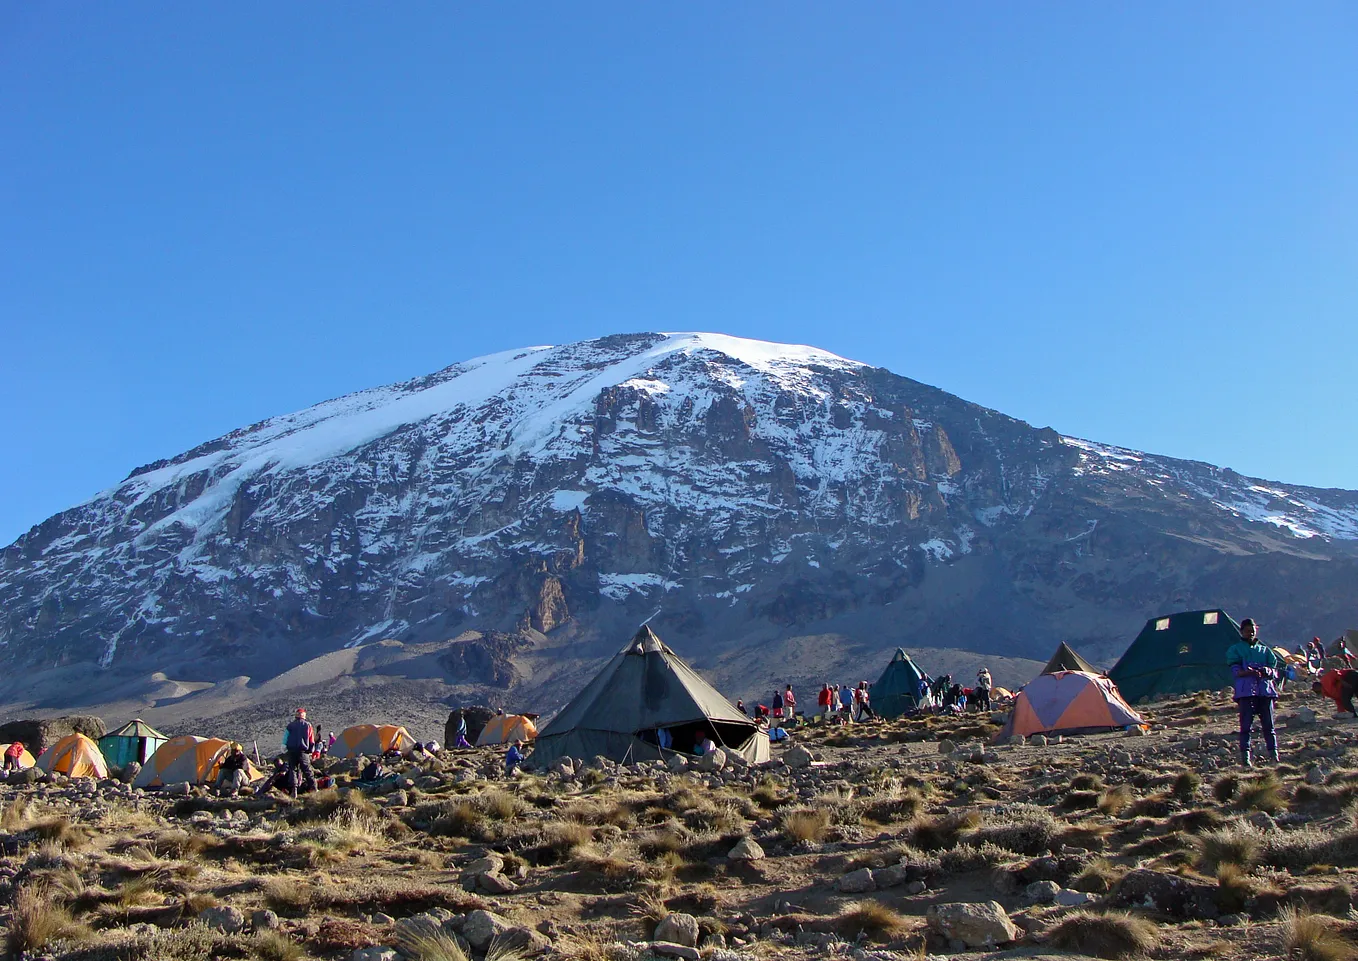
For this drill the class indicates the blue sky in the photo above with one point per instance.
(1136, 223)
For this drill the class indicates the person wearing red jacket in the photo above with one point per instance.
(823, 699)
(1339, 685)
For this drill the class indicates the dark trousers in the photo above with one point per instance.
(1262, 708)
(300, 761)
(983, 699)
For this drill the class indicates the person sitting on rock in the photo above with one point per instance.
(14, 756)
(513, 758)
(1339, 685)
(231, 775)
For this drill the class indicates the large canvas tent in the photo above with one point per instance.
(646, 695)
(897, 690)
(191, 759)
(1065, 659)
(134, 741)
(1177, 654)
(1068, 702)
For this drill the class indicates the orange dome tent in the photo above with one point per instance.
(503, 728)
(74, 755)
(1000, 692)
(191, 759)
(1068, 702)
(372, 739)
(25, 759)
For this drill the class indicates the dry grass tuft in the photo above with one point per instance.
(1097, 877)
(325, 805)
(500, 805)
(1186, 785)
(1023, 829)
(432, 945)
(806, 824)
(275, 946)
(1086, 782)
(1078, 801)
(38, 919)
(1314, 937)
(1225, 787)
(1115, 799)
(61, 833)
(1236, 844)
(1104, 935)
(872, 918)
(939, 834)
(1262, 794)
(289, 894)
(16, 814)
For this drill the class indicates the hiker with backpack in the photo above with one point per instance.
(1256, 668)
(299, 741)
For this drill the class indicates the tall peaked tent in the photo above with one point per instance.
(897, 690)
(74, 755)
(1065, 659)
(134, 741)
(1177, 654)
(1068, 702)
(646, 695)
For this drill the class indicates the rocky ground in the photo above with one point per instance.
(879, 841)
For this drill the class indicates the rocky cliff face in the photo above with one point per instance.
(736, 491)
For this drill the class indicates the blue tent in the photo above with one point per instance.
(897, 690)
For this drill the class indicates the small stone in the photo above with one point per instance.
(1068, 898)
(1137, 730)
(746, 849)
(677, 763)
(671, 950)
(916, 887)
(263, 920)
(982, 925)
(378, 953)
(1038, 740)
(678, 928)
(1231, 920)
(888, 877)
(1043, 892)
(224, 918)
(493, 883)
(946, 746)
(798, 757)
(1315, 775)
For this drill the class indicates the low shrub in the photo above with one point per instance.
(1104, 935)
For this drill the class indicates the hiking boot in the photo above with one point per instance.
(1246, 760)
(1273, 758)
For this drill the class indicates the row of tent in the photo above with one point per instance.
(197, 760)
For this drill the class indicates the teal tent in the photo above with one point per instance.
(134, 741)
(897, 690)
(1177, 654)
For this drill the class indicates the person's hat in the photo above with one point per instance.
(1247, 622)
(301, 712)
(1316, 639)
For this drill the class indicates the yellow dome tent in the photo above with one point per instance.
(503, 728)
(74, 755)
(26, 760)
(372, 739)
(188, 758)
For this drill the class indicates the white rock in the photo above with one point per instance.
(981, 925)
(798, 757)
(678, 929)
(857, 882)
(746, 849)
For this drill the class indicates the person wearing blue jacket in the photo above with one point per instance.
(1256, 669)
(513, 758)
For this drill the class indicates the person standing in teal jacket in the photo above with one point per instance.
(1256, 669)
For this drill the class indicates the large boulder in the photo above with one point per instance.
(982, 925)
(746, 849)
(224, 918)
(477, 718)
(1168, 894)
(857, 882)
(714, 761)
(678, 929)
(39, 735)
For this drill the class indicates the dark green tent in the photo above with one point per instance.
(134, 741)
(646, 689)
(1065, 659)
(1177, 654)
(897, 690)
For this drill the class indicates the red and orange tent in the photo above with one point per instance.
(1068, 702)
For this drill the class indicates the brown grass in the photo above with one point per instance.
(1104, 935)
(432, 945)
(1097, 877)
(1237, 845)
(806, 824)
(941, 833)
(1115, 799)
(38, 919)
(1225, 787)
(275, 946)
(1186, 785)
(872, 918)
(1314, 937)
(1262, 794)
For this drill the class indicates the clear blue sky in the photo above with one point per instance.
(1136, 223)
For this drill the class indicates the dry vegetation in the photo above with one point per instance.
(1266, 860)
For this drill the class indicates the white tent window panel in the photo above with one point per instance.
(1162, 624)
(1210, 617)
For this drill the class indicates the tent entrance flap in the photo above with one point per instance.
(685, 737)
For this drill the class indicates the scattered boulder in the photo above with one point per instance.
(378, 953)
(669, 949)
(494, 883)
(714, 761)
(39, 735)
(481, 927)
(263, 920)
(1168, 894)
(947, 746)
(746, 849)
(857, 882)
(677, 763)
(797, 757)
(129, 772)
(224, 918)
(678, 929)
(982, 925)
(1043, 892)
(888, 877)
(1315, 775)
(1038, 740)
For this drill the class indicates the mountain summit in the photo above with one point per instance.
(739, 493)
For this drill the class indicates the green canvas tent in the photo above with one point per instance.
(1065, 659)
(1177, 654)
(897, 690)
(134, 741)
(646, 697)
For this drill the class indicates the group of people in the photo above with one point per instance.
(834, 701)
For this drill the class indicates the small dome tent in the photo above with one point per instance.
(1177, 654)
(504, 728)
(647, 703)
(897, 690)
(26, 760)
(372, 739)
(134, 741)
(191, 759)
(1068, 702)
(74, 755)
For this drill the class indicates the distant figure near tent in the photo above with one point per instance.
(644, 689)
(191, 759)
(1065, 659)
(1068, 702)
(74, 755)
(1177, 654)
(16, 756)
(897, 690)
